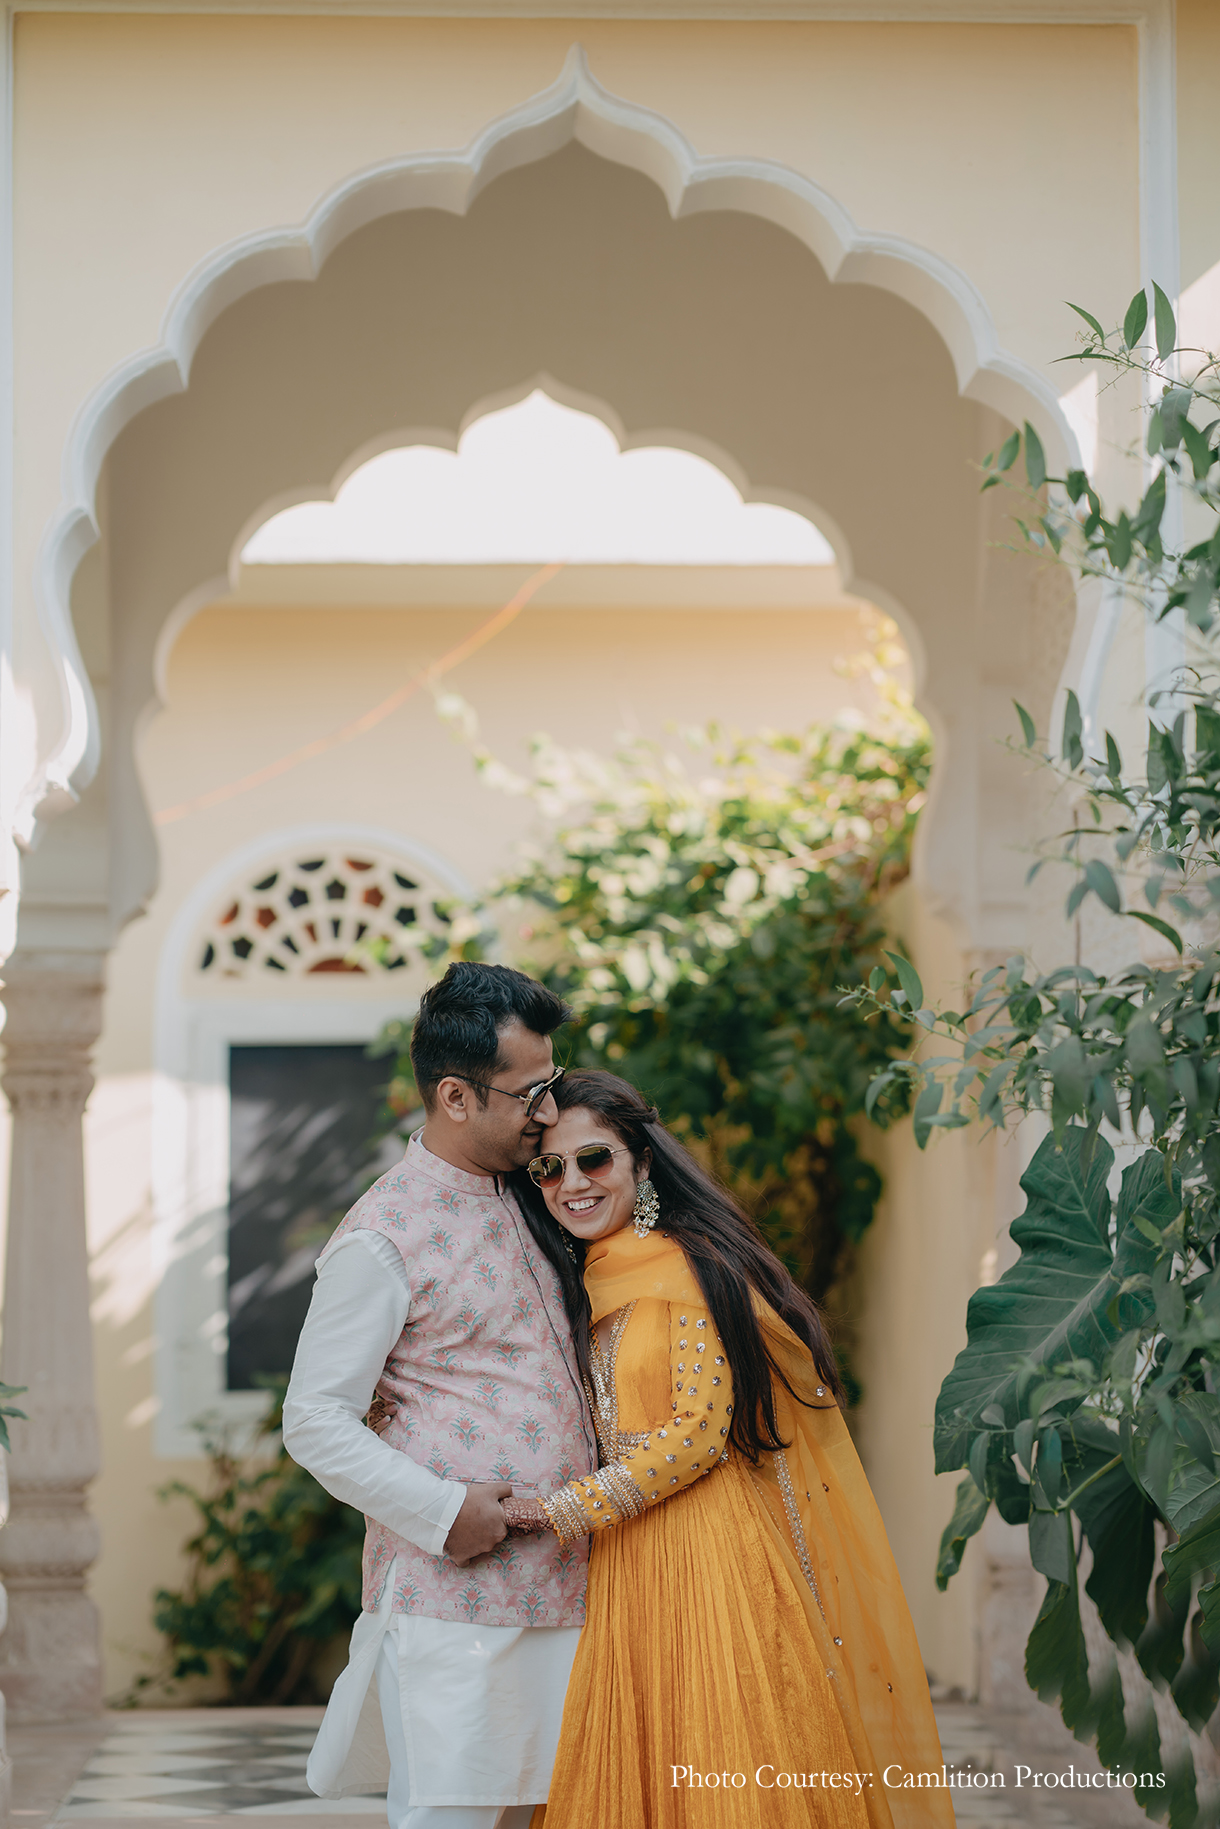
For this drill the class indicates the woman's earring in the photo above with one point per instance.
(647, 1208)
(567, 1244)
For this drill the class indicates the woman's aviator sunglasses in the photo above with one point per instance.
(593, 1159)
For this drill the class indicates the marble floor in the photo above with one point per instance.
(153, 1769)
(208, 1766)
(220, 1767)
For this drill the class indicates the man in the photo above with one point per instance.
(433, 1295)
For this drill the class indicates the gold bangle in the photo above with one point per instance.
(566, 1515)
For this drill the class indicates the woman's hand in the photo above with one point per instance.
(380, 1414)
(524, 1517)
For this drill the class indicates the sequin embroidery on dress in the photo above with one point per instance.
(603, 1398)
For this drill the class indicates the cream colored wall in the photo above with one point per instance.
(956, 136)
(1198, 72)
(258, 679)
(248, 684)
(918, 1265)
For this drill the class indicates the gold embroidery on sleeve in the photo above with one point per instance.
(620, 1488)
(631, 1438)
(568, 1521)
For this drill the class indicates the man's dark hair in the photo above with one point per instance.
(457, 1030)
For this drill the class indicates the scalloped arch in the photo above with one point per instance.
(575, 107)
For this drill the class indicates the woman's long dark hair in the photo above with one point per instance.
(723, 1247)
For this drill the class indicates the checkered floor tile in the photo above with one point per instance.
(146, 1770)
(158, 1769)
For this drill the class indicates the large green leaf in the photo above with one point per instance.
(1196, 1550)
(1118, 1522)
(1051, 1546)
(1092, 1705)
(1160, 1647)
(1063, 1299)
(969, 1511)
(1056, 1661)
(1194, 1487)
(1209, 1616)
(1196, 1688)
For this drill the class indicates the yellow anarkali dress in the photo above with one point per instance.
(748, 1657)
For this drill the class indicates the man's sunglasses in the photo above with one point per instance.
(531, 1099)
(593, 1159)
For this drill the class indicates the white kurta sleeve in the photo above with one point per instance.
(359, 1308)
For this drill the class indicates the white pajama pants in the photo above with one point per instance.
(401, 1812)
(468, 1715)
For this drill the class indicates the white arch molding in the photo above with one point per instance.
(447, 439)
(575, 107)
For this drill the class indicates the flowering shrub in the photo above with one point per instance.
(699, 914)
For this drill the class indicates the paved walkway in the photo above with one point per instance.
(1008, 1771)
(220, 1767)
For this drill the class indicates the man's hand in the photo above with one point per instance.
(480, 1525)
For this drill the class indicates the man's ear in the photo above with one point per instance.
(451, 1099)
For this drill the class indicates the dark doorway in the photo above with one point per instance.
(302, 1148)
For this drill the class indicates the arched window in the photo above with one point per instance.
(321, 909)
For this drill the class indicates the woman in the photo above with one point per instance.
(748, 1657)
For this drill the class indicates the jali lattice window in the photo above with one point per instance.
(322, 910)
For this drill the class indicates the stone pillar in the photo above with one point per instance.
(50, 1656)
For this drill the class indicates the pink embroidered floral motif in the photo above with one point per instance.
(485, 1351)
(490, 1391)
(532, 1433)
(532, 1605)
(467, 1432)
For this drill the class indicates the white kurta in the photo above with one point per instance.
(480, 1705)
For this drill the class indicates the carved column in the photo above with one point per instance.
(50, 1656)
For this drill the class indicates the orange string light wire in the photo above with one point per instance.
(486, 632)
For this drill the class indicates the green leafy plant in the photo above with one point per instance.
(1084, 1405)
(274, 1574)
(700, 919)
(7, 1410)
